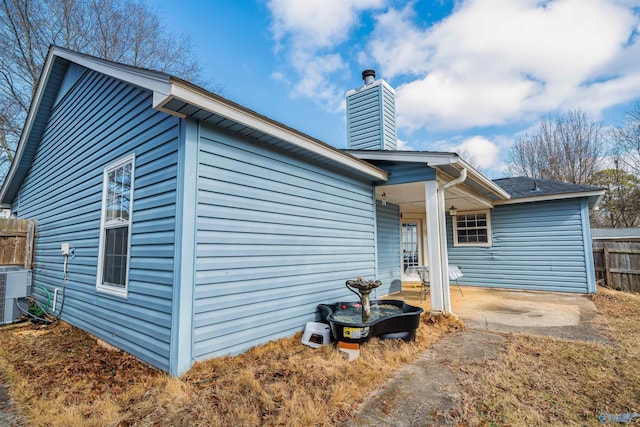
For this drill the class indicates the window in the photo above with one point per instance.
(472, 229)
(115, 227)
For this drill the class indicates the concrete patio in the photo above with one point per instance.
(562, 315)
(427, 392)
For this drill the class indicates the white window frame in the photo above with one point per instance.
(489, 241)
(100, 286)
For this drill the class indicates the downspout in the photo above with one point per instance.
(458, 180)
(444, 256)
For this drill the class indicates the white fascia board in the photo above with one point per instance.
(154, 81)
(482, 179)
(561, 196)
(160, 99)
(443, 178)
(432, 159)
(435, 160)
(599, 199)
(146, 79)
(207, 101)
(28, 124)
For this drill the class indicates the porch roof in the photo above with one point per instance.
(449, 163)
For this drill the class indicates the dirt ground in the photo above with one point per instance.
(8, 410)
(428, 391)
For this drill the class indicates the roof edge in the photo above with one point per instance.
(596, 195)
(152, 80)
(26, 130)
(433, 159)
(202, 98)
(165, 87)
(484, 179)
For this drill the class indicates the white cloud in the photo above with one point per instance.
(488, 63)
(317, 23)
(480, 152)
(276, 75)
(403, 145)
(308, 32)
(498, 62)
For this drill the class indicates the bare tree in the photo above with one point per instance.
(620, 206)
(126, 31)
(627, 141)
(469, 157)
(568, 148)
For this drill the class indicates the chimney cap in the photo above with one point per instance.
(369, 72)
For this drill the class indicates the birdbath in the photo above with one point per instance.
(364, 289)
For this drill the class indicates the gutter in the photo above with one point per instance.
(478, 176)
(432, 159)
(205, 100)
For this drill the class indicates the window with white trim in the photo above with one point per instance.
(472, 229)
(115, 227)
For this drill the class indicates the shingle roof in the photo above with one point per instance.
(615, 233)
(522, 186)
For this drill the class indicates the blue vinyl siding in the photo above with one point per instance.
(536, 246)
(403, 173)
(100, 120)
(276, 236)
(388, 248)
(388, 114)
(371, 117)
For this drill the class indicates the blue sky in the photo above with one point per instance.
(470, 76)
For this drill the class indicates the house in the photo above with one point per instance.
(615, 234)
(199, 228)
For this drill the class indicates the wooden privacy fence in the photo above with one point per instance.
(17, 239)
(618, 264)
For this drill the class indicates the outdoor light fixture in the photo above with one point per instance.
(384, 199)
(453, 211)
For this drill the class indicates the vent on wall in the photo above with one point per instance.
(15, 282)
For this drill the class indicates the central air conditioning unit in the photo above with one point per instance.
(15, 282)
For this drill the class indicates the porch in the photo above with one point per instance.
(563, 315)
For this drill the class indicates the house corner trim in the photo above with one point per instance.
(181, 357)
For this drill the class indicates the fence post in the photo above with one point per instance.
(607, 266)
(29, 243)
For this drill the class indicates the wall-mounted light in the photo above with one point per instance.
(384, 199)
(453, 211)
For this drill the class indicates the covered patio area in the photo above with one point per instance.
(562, 315)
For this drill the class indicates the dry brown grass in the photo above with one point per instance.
(59, 376)
(547, 381)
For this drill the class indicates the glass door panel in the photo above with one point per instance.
(411, 248)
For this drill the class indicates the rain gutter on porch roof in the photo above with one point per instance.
(433, 159)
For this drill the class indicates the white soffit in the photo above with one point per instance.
(205, 100)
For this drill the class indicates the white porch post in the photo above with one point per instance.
(432, 209)
(444, 255)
